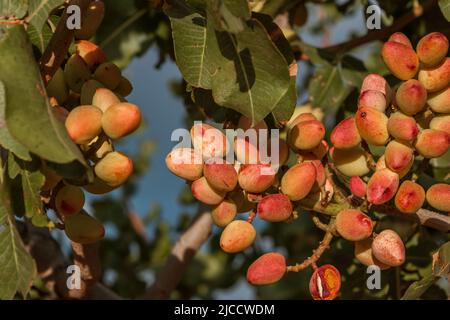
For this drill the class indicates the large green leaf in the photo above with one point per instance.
(286, 106)
(441, 265)
(13, 166)
(17, 267)
(189, 37)
(445, 8)
(28, 114)
(17, 8)
(352, 71)
(229, 15)
(32, 181)
(418, 288)
(39, 11)
(40, 38)
(276, 35)
(334, 79)
(6, 139)
(440, 268)
(251, 75)
(239, 8)
(245, 71)
(326, 88)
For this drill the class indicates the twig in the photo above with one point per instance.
(86, 257)
(52, 265)
(399, 24)
(322, 226)
(181, 255)
(310, 261)
(14, 21)
(423, 217)
(251, 216)
(59, 44)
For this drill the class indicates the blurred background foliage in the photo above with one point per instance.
(138, 244)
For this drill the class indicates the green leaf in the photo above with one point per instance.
(39, 11)
(17, 8)
(352, 71)
(6, 139)
(441, 167)
(251, 76)
(245, 71)
(13, 166)
(327, 90)
(189, 39)
(286, 106)
(40, 39)
(17, 267)
(445, 8)
(418, 288)
(333, 82)
(441, 261)
(28, 114)
(71, 170)
(317, 56)
(239, 8)
(32, 182)
(229, 15)
(441, 268)
(277, 36)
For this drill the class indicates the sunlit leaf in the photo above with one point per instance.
(28, 113)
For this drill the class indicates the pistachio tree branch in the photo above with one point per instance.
(86, 257)
(181, 255)
(317, 253)
(321, 225)
(373, 35)
(52, 266)
(59, 44)
(423, 217)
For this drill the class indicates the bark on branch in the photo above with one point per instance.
(317, 253)
(59, 44)
(399, 24)
(86, 257)
(52, 266)
(181, 255)
(423, 217)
